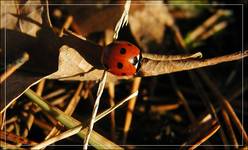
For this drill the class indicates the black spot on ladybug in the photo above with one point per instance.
(123, 51)
(123, 74)
(119, 65)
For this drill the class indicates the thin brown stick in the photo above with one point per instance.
(207, 102)
(111, 90)
(198, 84)
(14, 138)
(239, 91)
(29, 123)
(69, 110)
(17, 128)
(54, 93)
(202, 133)
(74, 101)
(166, 107)
(131, 105)
(1, 120)
(11, 120)
(183, 99)
(19, 62)
(204, 27)
(40, 87)
(216, 28)
(212, 131)
(42, 124)
(66, 25)
(60, 99)
(10, 128)
(5, 145)
(30, 116)
(230, 129)
(226, 105)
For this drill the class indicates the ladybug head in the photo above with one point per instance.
(122, 58)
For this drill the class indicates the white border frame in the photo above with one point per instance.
(242, 80)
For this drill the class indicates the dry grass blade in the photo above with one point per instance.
(79, 127)
(106, 112)
(97, 102)
(46, 21)
(131, 105)
(69, 110)
(96, 140)
(123, 20)
(62, 136)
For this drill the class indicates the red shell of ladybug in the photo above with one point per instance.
(122, 58)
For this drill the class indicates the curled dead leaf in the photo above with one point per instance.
(171, 57)
(151, 67)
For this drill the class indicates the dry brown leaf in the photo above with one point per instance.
(72, 66)
(6, 11)
(95, 18)
(151, 67)
(12, 12)
(33, 11)
(148, 24)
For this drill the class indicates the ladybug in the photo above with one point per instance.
(122, 58)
